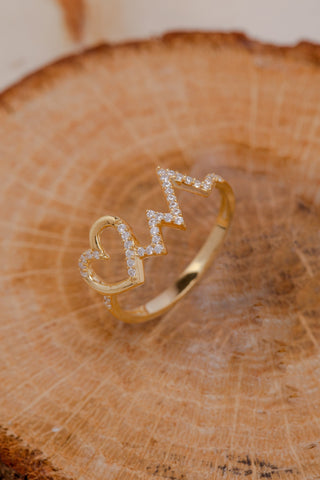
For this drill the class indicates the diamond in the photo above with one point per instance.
(158, 248)
(178, 221)
(83, 273)
(176, 211)
(131, 272)
(150, 213)
(206, 186)
(188, 180)
(171, 198)
(169, 191)
(156, 238)
(128, 244)
(197, 184)
(149, 250)
(153, 222)
(140, 251)
(129, 253)
(121, 227)
(130, 262)
(107, 302)
(160, 216)
(96, 254)
(179, 177)
(154, 230)
(125, 235)
(168, 217)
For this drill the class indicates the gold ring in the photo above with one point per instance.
(137, 253)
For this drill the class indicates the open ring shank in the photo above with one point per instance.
(165, 300)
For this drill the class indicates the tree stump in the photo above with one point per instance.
(226, 385)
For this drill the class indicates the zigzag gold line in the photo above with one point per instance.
(169, 180)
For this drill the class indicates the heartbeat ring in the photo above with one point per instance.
(136, 253)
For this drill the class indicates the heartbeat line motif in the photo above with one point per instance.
(135, 253)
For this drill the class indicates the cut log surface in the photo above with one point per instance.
(227, 384)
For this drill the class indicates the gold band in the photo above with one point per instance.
(136, 253)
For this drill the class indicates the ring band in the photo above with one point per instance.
(136, 253)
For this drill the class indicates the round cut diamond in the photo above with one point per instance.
(156, 238)
(131, 272)
(158, 248)
(149, 250)
(130, 262)
(122, 227)
(205, 186)
(188, 180)
(178, 221)
(125, 235)
(140, 251)
(154, 230)
(197, 184)
(179, 177)
(150, 213)
(129, 253)
(128, 244)
(168, 217)
(152, 222)
(107, 301)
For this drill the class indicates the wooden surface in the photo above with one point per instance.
(227, 384)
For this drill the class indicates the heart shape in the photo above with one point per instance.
(135, 264)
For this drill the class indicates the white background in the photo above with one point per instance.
(34, 32)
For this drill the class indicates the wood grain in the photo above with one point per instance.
(227, 384)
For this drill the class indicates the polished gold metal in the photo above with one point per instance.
(136, 253)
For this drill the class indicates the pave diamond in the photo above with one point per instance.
(178, 221)
(158, 248)
(107, 302)
(168, 217)
(149, 250)
(125, 235)
(150, 213)
(140, 251)
(156, 238)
